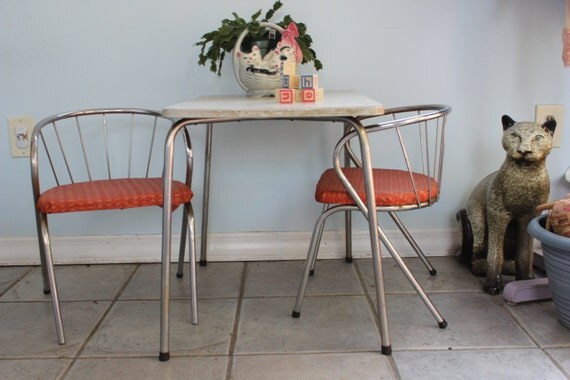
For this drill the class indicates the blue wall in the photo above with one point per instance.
(484, 58)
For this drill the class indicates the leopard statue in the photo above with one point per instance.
(493, 225)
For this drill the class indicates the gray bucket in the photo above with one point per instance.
(556, 249)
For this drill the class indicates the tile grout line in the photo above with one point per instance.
(555, 362)
(233, 338)
(82, 346)
(528, 333)
(367, 295)
(18, 280)
(393, 367)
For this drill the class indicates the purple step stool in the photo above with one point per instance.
(526, 290)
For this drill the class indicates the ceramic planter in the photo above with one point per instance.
(556, 250)
(256, 72)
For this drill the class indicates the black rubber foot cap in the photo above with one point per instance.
(492, 290)
(386, 350)
(47, 291)
(179, 275)
(312, 272)
(203, 263)
(433, 272)
(164, 356)
(348, 259)
(296, 314)
(442, 324)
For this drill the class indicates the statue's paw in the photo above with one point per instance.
(479, 267)
(492, 289)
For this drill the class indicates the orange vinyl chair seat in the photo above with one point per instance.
(110, 194)
(392, 187)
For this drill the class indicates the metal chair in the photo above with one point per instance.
(106, 159)
(407, 181)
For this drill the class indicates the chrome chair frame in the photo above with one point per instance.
(423, 114)
(70, 172)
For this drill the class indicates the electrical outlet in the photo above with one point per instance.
(542, 111)
(20, 128)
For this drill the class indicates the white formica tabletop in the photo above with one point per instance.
(335, 104)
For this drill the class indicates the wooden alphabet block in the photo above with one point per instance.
(285, 81)
(290, 81)
(289, 68)
(308, 94)
(312, 94)
(309, 81)
(285, 95)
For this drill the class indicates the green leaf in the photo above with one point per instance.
(222, 56)
(225, 30)
(268, 15)
(318, 65)
(256, 15)
(237, 18)
(286, 21)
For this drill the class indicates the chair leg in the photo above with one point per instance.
(42, 253)
(413, 243)
(45, 243)
(347, 215)
(206, 194)
(45, 276)
(192, 253)
(311, 258)
(318, 242)
(164, 353)
(180, 270)
(442, 323)
(348, 236)
(381, 304)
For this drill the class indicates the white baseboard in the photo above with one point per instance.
(246, 246)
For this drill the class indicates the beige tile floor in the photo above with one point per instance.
(246, 331)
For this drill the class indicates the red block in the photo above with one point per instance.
(308, 95)
(286, 95)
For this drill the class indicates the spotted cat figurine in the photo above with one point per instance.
(493, 226)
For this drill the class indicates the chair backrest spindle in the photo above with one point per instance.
(131, 134)
(150, 150)
(407, 161)
(62, 149)
(84, 152)
(106, 139)
(50, 160)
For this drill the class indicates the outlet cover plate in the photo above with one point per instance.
(20, 129)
